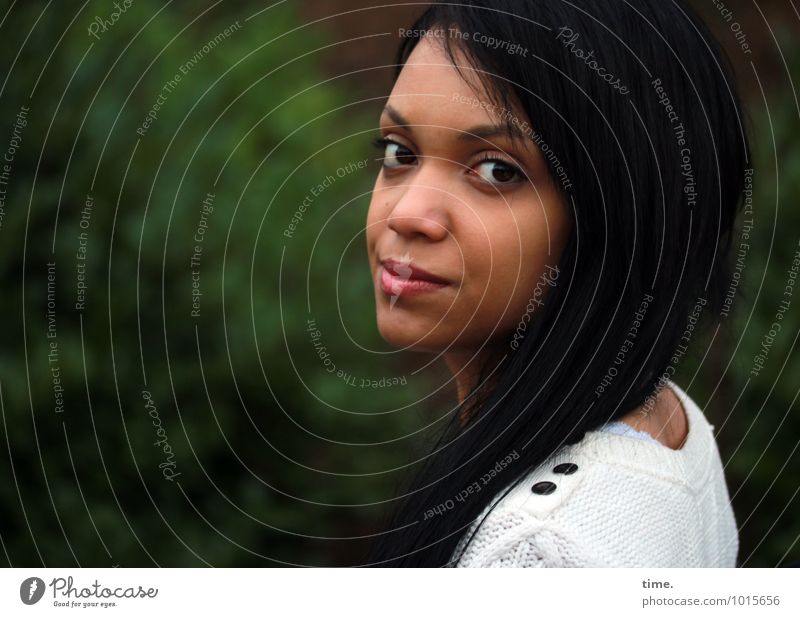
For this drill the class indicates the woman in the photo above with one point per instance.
(558, 189)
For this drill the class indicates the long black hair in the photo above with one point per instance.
(634, 107)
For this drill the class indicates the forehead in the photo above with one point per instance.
(432, 90)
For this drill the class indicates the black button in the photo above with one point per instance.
(565, 468)
(543, 488)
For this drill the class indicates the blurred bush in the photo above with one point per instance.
(766, 419)
(267, 443)
(272, 450)
(747, 379)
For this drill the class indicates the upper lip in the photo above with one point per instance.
(401, 268)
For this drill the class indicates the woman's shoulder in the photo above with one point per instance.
(618, 468)
(611, 494)
(603, 472)
(558, 513)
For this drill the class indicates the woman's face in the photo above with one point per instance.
(460, 200)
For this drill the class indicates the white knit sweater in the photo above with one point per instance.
(625, 502)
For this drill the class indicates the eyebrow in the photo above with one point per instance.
(476, 133)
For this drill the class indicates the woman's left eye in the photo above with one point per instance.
(498, 172)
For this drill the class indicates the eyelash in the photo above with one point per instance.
(486, 156)
(381, 143)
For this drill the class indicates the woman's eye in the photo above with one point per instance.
(395, 154)
(497, 172)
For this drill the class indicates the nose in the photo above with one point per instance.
(421, 212)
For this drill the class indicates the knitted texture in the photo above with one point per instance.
(631, 502)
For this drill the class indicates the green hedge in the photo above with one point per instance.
(273, 455)
(262, 445)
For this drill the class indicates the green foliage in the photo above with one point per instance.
(749, 378)
(273, 451)
(264, 446)
(766, 419)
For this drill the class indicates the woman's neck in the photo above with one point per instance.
(466, 368)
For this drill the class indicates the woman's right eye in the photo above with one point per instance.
(394, 154)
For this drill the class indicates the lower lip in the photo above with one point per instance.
(393, 285)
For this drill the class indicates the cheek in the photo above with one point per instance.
(376, 220)
(502, 255)
(516, 259)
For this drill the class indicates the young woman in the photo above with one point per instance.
(557, 195)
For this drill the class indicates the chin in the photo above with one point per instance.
(404, 331)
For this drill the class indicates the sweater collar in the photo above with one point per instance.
(689, 465)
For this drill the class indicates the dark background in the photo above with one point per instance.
(279, 461)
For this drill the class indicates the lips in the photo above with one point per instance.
(409, 271)
(406, 279)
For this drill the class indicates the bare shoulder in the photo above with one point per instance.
(666, 421)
